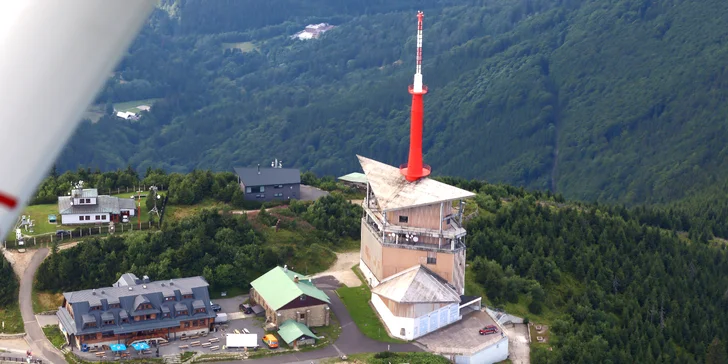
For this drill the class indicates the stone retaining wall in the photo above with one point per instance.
(12, 336)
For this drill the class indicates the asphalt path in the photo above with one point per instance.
(351, 340)
(40, 346)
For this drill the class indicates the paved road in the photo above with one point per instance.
(351, 341)
(40, 346)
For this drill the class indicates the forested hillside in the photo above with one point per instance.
(609, 100)
(611, 288)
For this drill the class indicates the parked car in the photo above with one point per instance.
(215, 307)
(271, 341)
(62, 233)
(125, 218)
(490, 329)
(246, 308)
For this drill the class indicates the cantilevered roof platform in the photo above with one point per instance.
(394, 192)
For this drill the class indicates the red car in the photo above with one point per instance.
(490, 329)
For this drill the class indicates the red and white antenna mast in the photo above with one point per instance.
(415, 169)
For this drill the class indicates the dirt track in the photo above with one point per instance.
(341, 270)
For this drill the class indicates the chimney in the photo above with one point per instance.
(285, 267)
(171, 283)
(145, 279)
(258, 168)
(295, 279)
(93, 291)
(102, 291)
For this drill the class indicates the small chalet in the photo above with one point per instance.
(296, 334)
(286, 295)
(136, 309)
(356, 180)
(269, 184)
(86, 206)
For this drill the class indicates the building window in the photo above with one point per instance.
(88, 218)
(169, 299)
(187, 296)
(91, 324)
(110, 322)
(148, 317)
(431, 258)
(403, 219)
(248, 190)
(98, 217)
(88, 200)
(181, 313)
(81, 218)
(103, 217)
(89, 336)
(95, 308)
(278, 186)
(401, 331)
(260, 196)
(114, 305)
(200, 310)
(166, 315)
(187, 324)
(301, 316)
(125, 320)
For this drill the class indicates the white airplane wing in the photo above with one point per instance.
(54, 57)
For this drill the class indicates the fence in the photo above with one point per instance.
(18, 360)
(78, 233)
(120, 190)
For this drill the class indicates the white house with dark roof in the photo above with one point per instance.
(136, 309)
(86, 206)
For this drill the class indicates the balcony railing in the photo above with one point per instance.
(401, 242)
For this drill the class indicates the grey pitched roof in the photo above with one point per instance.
(104, 204)
(268, 176)
(139, 300)
(107, 316)
(127, 299)
(87, 319)
(415, 285)
(185, 290)
(179, 306)
(198, 304)
(127, 279)
(165, 309)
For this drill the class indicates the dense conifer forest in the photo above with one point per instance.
(608, 100)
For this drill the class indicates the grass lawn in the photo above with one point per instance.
(46, 301)
(178, 212)
(393, 358)
(40, 213)
(231, 292)
(356, 300)
(54, 335)
(10, 315)
(245, 47)
(187, 355)
(132, 105)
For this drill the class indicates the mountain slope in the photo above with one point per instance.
(600, 100)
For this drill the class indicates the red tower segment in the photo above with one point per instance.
(415, 169)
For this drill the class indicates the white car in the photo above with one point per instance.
(125, 218)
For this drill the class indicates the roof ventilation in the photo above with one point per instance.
(93, 291)
(295, 279)
(258, 168)
(171, 283)
(285, 268)
(162, 284)
(144, 286)
(103, 292)
(130, 288)
(145, 279)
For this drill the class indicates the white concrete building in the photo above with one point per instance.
(85, 206)
(415, 302)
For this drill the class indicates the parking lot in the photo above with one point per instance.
(463, 336)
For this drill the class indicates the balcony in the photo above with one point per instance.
(391, 238)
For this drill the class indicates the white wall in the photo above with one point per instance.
(434, 320)
(132, 212)
(368, 275)
(491, 354)
(77, 201)
(70, 219)
(394, 323)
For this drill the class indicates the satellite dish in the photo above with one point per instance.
(158, 197)
(415, 239)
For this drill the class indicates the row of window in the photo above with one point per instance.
(405, 219)
(256, 189)
(186, 324)
(84, 200)
(88, 217)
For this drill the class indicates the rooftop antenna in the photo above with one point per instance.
(156, 197)
(414, 169)
(276, 164)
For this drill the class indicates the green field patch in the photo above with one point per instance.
(133, 106)
(11, 318)
(244, 47)
(356, 300)
(54, 335)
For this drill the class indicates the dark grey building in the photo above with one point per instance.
(136, 309)
(269, 184)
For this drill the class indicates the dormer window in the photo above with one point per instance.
(144, 306)
(109, 322)
(114, 305)
(171, 298)
(188, 296)
(200, 310)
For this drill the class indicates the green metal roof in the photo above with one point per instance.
(291, 330)
(277, 288)
(354, 177)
